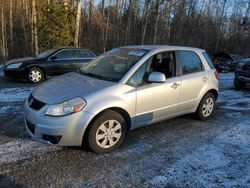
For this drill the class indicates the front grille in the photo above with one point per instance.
(34, 103)
(246, 67)
(30, 126)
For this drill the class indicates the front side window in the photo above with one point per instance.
(81, 54)
(165, 63)
(114, 64)
(190, 62)
(139, 77)
(65, 54)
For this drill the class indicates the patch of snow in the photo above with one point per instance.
(230, 98)
(18, 150)
(158, 180)
(14, 94)
(10, 109)
(209, 166)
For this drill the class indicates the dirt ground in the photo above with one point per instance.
(181, 152)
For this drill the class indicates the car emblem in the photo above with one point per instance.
(31, 101)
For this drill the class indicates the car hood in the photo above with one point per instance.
(21, 60)
(68, 86)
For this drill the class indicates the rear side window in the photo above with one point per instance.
(81, 54)
(66, 54)
(208, 59)
(190, 62)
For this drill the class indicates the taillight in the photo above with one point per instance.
(216, 74)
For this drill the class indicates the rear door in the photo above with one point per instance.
(61, 62)
(193, 80)
(83, 56)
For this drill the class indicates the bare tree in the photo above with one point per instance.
(34, 28)
(78, 16)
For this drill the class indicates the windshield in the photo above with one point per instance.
(46, 53)
(113, 65)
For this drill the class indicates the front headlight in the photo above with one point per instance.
(68, 107)
(14, 66)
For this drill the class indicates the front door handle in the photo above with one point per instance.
(175, 85)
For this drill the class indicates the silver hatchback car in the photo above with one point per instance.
(126, 88)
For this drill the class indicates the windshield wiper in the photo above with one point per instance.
(96, 76)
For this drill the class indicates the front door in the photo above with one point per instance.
(158, 101)
(61, 62)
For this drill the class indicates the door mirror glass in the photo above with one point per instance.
(156, 77)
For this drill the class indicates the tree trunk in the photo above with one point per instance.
(157, 16)
(34, 28)
(103, 7)
(144, 28)
(78, 16)
(3, 34)
(220, 23)
(11, 27)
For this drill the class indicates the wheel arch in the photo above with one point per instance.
(39, 67)
(119, 110)
(214, 92)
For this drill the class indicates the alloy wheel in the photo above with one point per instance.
(108, 134)
(207, 107)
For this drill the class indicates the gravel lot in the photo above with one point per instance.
(181, 152)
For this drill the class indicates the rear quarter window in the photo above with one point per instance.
(208, 59)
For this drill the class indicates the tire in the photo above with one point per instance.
(110, 127)
(35, 75)
(206, 107)
(239, 84)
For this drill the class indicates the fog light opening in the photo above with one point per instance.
(52, 139)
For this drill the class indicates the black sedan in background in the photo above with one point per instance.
(49, 63)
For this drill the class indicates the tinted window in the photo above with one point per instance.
(210, 63)
(66, 54)
(46, 53)
(84, 54)
(190, 62)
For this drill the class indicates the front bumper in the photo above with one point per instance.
(14, 73)
(64, 130)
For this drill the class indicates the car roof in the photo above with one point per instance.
(160, 47)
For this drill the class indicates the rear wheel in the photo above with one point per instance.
(206, 107)
(35, 75)
(239, 84)
(107, 132)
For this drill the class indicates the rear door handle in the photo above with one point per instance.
(175, 85)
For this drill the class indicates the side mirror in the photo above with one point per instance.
(53, 58)
(156, 77)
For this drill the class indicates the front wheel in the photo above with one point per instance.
(35, 75)
(206, 107)
(107, 132)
